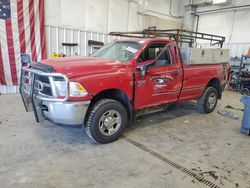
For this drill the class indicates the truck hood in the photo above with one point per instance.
(80, 66)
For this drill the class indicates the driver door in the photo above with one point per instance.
(163, 79)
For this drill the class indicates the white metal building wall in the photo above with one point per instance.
(237, 49)
(112, 15)
(57, 35)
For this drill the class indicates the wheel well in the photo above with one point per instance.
(215, 82)
(115, 94)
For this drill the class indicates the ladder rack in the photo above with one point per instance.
(179, 35)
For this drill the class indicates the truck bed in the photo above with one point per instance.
(196, 77)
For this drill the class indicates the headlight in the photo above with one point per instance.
(77, 90)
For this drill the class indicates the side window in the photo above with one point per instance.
(164, 59)
(153, 51)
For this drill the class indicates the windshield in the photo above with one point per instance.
(118, 50)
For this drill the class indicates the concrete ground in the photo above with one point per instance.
(165, 149)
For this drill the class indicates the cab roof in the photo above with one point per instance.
(146, 40)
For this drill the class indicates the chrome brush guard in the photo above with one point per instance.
(37, 86)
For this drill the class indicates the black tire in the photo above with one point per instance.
(95, 127)
(203, 102)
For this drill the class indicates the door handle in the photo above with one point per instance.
(175, 72)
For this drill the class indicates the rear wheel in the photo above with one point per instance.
(106, 121)
(208, 100)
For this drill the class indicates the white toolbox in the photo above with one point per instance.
(204, 55)
(221, 55)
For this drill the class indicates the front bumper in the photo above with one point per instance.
(55, 109)
(67, 113)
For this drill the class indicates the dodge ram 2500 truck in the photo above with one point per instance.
(104, 91)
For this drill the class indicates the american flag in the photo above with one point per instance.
(22, 30)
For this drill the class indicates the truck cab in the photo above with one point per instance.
(105, 91)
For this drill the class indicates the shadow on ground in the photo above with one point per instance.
(174, 111)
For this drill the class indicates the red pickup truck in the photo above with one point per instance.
(104, 91)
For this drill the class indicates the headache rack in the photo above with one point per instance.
(179, 35)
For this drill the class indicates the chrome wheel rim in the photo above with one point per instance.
(110, 122)
(211, 101)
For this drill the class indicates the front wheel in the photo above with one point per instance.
(106, 121)
(208, 100)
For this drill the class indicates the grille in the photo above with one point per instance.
(42, 86)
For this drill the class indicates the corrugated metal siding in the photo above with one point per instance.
(57, 35)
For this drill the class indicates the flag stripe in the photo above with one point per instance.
(2, 74)
(11, 51)
(27, 25)
(37, 30)
(5, 54)
(32, 30)
(22, 30)
(21, 26)
(16, 42)
(42, 29)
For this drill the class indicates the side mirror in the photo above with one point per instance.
(144, 66)
(25, 59)
(142, 69)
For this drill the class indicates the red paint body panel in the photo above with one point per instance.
(98, 75)
(152, 94)
(196, 78)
